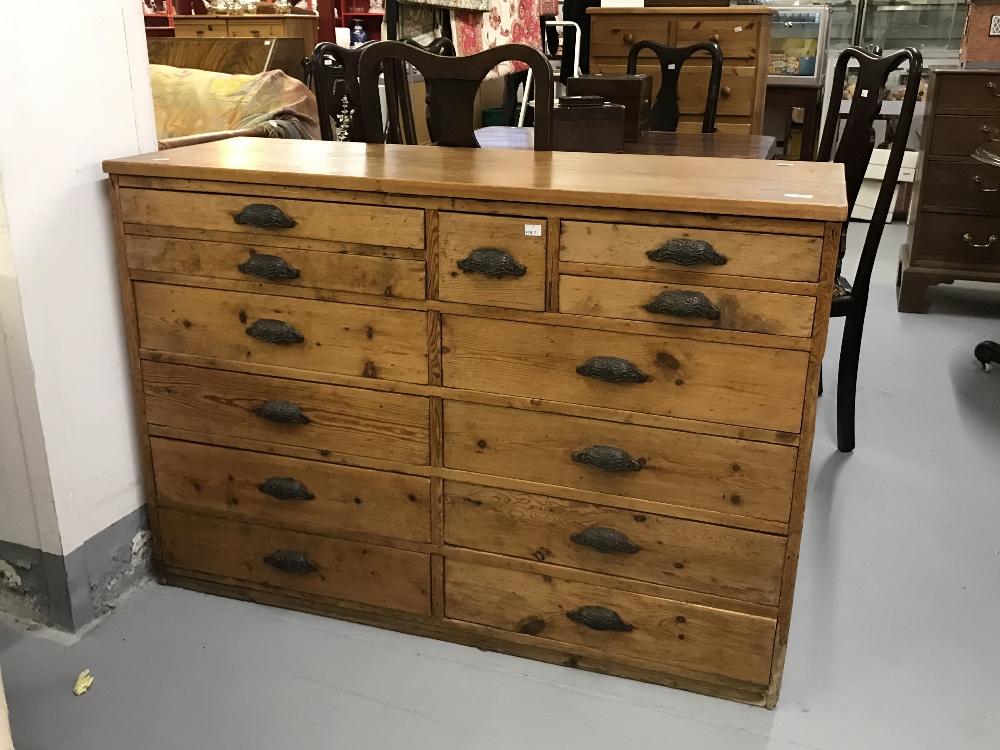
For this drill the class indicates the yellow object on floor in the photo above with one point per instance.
(83, 683)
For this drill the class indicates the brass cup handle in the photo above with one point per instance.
(978, 181)
(612, 370)
(600, 618)
(290, 561)
(285, 488)
(967, 239)
(282, 412)
(684, 251)
(608, 458)
(263, 216)
(605, 540)
(628, 38)
(683, 303)
(992, 88)
(272, 331)
(491, 262)
(714, 38)
(265, 266)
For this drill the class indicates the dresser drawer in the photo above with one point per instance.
(736, 35)
(301, 334)
(766, 256)
(253, 27)
(612, 37)
(289, 492)
(267, 217)
(960, 135)
(687, 636)
(200, 29)
(659, 549)
(967, 91)
(742, 385)
(736, 90)
(340, 420)
(676, 304)
(680, 468)
(278, 267)
(950, 185)
(493, 260)
(958, 239)
(296, 562)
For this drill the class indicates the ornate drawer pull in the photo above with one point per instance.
(285, 488)
(290, 561)
(967, 238)
(978, 182)
(608, 458)
(991, 87)
(273, 331)
(987, 130)
(491, 262)
(267, 267)
(601, 539)
(683, 304)
(612, 370)
(263, 215)
(600, 618)
(282, 412)
(687, 252)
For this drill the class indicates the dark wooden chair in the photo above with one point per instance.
(452, 85)
(665, 113)
(854, 151)
(333, 72)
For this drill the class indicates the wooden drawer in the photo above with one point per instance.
(942, 238)
(341, 420)
(736, 35)
(200, 29)
(742, 385)
(333, 568)
(960, 135)
(301, 334)
(612, 37)
(254, 27)
(951, 185)
(686, 636)
(271, 267)
(765, 256)
(463, 234)
(686, 554)
(331, 222)
(261, 488)
(968, 91)
(710, 307)
(736, 92)
(680, 468)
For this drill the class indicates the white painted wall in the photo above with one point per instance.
(67, 351)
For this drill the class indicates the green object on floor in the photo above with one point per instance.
(492, 116)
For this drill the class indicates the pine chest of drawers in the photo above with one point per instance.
(556, 405)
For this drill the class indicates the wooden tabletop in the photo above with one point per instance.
(793, 190)
(722, 145)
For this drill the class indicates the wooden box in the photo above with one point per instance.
(634, 92)
(594, 129)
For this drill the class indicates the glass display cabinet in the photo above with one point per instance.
(798, 45)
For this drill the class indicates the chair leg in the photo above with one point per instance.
(847, 380)
(821, 380)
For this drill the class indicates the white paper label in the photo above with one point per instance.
(797, 195)
(864, 92)
(738, 29)
(532, 230)
(671, 66)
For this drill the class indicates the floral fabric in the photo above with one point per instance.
(507, 22)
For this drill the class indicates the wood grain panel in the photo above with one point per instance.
(460, 234)
(357, 340)
(739, 310)
(365, 573)
(767, 256)
(335, 222)
(338, 269)
(684, 554)
(704, 639)
(204, 478)
(699, 471)
(736, 35)
(940, 238)
(742, 385)
(342, 420)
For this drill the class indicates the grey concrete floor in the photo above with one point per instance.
(893, 640)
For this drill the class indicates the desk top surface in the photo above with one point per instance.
(742, 187)
(689, 10)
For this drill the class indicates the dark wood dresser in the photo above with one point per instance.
(955, 215)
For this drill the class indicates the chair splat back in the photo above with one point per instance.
(665, 113)
(335, 76)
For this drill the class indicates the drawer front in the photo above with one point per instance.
(256, 28)
(741, 385)
(965, 91)
(736, 91)
(304, 495)
(200, 30)
(766, 256)
(960, 135)
(958, 239)
(340, 420)
(686, 554)
(278, 267)
(676, 304)
(689, 636)
(334, 568)
(736, 35)
(612, 37)
(493, 260)
(963, 186)
(300, 334)
(332, 222)
(681, 468)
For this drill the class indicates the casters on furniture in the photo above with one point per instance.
(987, 353)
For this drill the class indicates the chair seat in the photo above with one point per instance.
(843, 299)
